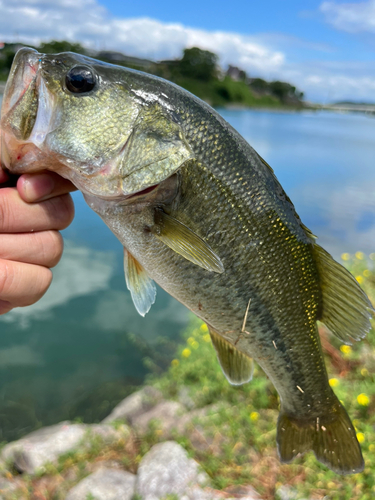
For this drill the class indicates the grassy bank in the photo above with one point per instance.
(233, 435)
(242, 429)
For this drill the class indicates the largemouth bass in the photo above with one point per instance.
(202, 214)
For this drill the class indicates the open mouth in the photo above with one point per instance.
(26, 112)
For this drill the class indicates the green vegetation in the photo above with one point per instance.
(197, 71)
(233, 433)
(240, 430)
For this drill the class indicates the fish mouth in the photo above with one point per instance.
(25, 114)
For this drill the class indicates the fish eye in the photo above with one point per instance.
(80, 79)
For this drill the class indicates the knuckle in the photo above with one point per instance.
(6, 277)
(62, 210)
(41, 284)
(6, 213)
(51, 247)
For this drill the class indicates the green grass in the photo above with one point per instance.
(235, 440)
(240, 431)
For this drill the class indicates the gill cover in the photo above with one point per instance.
(155, 150)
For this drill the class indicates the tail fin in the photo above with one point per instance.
(332, 438)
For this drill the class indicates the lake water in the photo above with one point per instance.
(83, 347)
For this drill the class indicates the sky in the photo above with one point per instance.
(325, 48)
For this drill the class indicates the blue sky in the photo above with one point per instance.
(326, 48)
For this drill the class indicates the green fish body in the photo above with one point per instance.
(202, 214)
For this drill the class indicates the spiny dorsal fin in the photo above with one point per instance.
(237, 367)
(141, 287)
(346, 308)
(185, 242)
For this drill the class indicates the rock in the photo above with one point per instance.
(167, 415)
(134, 405)
(166, 470)
(108, 433)
(31, 452)
(185, 399)
(198, 493)
(243, 491)
(105, 484)
(287, 493)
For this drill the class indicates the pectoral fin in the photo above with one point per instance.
(237, 367)
(185, 242)
(141, 287)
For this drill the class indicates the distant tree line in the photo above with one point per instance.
(198, 71)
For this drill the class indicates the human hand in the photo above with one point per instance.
(31, 216)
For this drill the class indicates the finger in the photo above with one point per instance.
(23, 284)
(5, 306)
(43, 248)
(16, 216)
(3, 174)
(43, 186)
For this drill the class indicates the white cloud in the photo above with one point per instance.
(80, 272)
(352, 17)
(263, 55)
(91, 24)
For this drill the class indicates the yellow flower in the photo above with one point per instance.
(345, 256)
(207, 337)
(364, 372)
(363, 399)
(345, 349)
(195, 345)
(372, 256)
(333, 382)
(331, 485)
(366, 273)
(254, 416)
(371, 447)
(359, 255)
(186, 353)
(359, 279)
(175, 362)
(190, 340)
(360, 437)
(204, 328)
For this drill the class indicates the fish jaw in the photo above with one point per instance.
(25, 116)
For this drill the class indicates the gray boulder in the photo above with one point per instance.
(167, 414)
(287, 492)
(134, 405)
(32, 452)
(105, 484)
(166, 470)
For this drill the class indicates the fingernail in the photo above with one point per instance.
(35, 187)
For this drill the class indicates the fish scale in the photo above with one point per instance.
(202, 214)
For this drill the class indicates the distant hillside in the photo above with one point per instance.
(197, 71)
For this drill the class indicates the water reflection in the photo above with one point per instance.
(81, 348)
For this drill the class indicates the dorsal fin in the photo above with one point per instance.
(185, 242)
(141, 287)
(346, 309)
(237, 367)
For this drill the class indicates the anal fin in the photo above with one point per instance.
(141, 287)
(237, 367)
